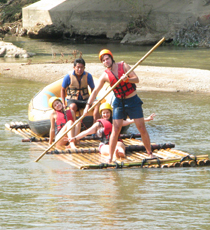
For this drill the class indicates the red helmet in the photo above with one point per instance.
(103, 52)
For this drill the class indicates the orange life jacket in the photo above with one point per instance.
(75, 88)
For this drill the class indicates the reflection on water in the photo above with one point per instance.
(162, 56)
(52, 195)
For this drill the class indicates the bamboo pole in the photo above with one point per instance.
(42, 139)
(192, 163)
(153, 146)
(185, 164)
(113, 87)
(176, 164)
(201, 163)
(128, 149)
(35, 139)
(149, 162)
(81, 150)
(207, 162)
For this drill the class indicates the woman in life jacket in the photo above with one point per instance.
(61, 120)
(103, 128)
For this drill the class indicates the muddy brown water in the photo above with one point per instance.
(51, 194)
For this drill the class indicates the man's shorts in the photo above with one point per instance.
(131, 107)
(80, 103)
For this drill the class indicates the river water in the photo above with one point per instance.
(56, 51)
(53, 195)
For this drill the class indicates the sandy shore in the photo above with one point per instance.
(151, 78)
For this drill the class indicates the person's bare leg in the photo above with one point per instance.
(144, 135)
(120, 150)
(71, 133)
(77, 129)
(62, 141)
(73, 107)
(116, 128)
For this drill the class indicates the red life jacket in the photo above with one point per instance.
(123, 89)
(106, 131)
(62, 119)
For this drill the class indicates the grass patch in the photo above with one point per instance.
(13, 11)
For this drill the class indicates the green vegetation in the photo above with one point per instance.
(12, 10)
(185, 44)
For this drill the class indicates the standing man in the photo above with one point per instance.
(126, 103)
(75, 88)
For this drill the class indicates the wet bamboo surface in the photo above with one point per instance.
(87, 156)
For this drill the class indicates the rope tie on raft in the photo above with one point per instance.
(144, 161)
(188, 157)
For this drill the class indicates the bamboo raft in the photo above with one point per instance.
(85, 157)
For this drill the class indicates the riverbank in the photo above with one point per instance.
(151, 78)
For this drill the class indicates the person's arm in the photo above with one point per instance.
(130, 121)
(150, 118)
(127, 122)
(95, 92)
(91, 82)
(132, 77)
(52, 128)
(63, 96)
(91, 130)
(66, 82)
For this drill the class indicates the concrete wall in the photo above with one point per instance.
(111, 17)
(84, 17)
(39, 12)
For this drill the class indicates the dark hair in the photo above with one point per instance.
(80, 61)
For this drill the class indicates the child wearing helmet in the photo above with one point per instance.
(103, 128)
(61, 120)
